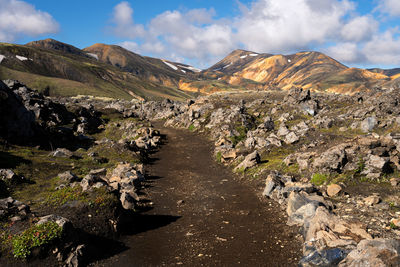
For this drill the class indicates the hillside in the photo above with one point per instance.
(66, 70)
(112, 71)
(308, 70)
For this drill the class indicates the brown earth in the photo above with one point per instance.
(203, 215)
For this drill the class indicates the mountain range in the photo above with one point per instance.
(60, 69)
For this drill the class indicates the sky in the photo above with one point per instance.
(358, 33)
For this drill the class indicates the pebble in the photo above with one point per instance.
(372, 200)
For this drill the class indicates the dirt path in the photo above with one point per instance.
(203, 216)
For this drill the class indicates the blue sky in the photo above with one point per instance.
(200, 32)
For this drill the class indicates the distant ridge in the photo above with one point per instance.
(113, 71)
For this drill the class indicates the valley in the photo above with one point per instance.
(110, 158)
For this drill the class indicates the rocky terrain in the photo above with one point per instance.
(71, 175)
(330, 161)
(73, 171)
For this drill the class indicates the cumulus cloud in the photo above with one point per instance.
(359, 29)
(193, 34)
(383, 49)
(284, 26)
(345, 52)
(271, 26)
(18, 18)
(391, 7)
(124, 25)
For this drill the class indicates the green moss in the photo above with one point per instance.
(393, 226)
(64, 195)
(219, 156)
(35, 236)
(192, 128)
(242, 135)
(349, 133)
(241, 170)
(319, 179)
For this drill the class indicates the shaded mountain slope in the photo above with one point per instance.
(44, 64)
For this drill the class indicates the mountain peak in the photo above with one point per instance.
(52, 44)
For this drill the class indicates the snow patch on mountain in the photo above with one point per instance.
(170, 65)
(93, 55)
(244, 56)
(253, 55)
(230, 64)
(2, 57)
(21, 58)
(190, 68)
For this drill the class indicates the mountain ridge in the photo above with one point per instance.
(111, 70)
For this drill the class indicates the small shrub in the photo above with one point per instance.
(319, 179)
(35, 236)
(360, 165)
(192, 127)
(242, 135)
(62, 196)
(393, 226)
(219, 156)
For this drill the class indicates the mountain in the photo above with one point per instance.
(112, 71)
(67, 71)
(235, 61)
(308, 70)
(58, 46)
(387, 72)
(146, 68)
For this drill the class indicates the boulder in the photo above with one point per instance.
(325, 257)
(376, 162)
(333, 159)
(291, 138)
(375, 166)
(333, 190)
(127, 201)
(271, 183)
(68, 177)
(75, 258)
(372, 200)
(297, 200)
(283, 130)
(267, 125)
(394, 181)
(61, 153)
(378, 253)
(8, 175)
(249, 161)
(61, 221)
(368, 124)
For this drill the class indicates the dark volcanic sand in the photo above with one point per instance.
(221, 221)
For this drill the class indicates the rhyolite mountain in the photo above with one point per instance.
(112, 71)
(308, 70)
(65, 70)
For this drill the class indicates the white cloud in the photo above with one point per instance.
(383, 49)
(124, 24)
(270, 26)
(391, 7)
(345, 52)
(18, 18)
(284, 26)
(132, 46)
(359, 29)
(175, 35)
